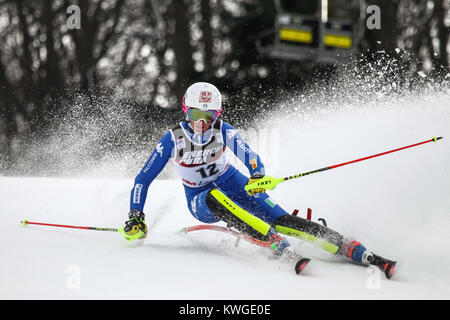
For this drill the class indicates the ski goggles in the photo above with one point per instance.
(197, 115)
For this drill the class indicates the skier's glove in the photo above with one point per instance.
(255, 177)
(135, 227)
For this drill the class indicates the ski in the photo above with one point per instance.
(235, 233)
(300, 263)
(385, 265)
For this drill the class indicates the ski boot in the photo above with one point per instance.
(283, 249)
(358, 253)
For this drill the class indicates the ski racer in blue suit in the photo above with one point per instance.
(214, 188)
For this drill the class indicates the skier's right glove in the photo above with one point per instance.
(255, 177)
(135, 227)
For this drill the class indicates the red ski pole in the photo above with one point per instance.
(434, 139)
(270, 182)
(128, 237)
(25, 222)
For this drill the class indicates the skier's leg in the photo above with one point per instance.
(332, 242)
(196, 201)
(268, 210)
(234, 215)
(212, 205)
(228, 211)
(313, 232)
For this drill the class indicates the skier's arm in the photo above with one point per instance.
(240, 148)
(154, 165)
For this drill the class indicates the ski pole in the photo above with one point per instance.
(25, 222)
(270, 183)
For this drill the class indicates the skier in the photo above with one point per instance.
(214, 188)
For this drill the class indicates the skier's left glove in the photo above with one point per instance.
(135, 227)
(255, 177)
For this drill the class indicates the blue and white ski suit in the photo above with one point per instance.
(201, 162)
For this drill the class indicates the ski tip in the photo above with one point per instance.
(437, 138)
(24, 222)
(389, 269)
(301, 264)
(180, 231)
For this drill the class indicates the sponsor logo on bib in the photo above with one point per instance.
(201, 156)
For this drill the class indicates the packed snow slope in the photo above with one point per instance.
(397, 205)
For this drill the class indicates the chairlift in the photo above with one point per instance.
(314, 31)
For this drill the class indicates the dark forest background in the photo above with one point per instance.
(120, 77)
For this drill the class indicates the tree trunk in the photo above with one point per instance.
(443, 34)
(180, 42)
(386, 37)
(207, 38)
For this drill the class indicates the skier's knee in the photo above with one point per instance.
(218, 208)
(224, 214)
(214, 205)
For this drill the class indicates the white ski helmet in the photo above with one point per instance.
(203, 96)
